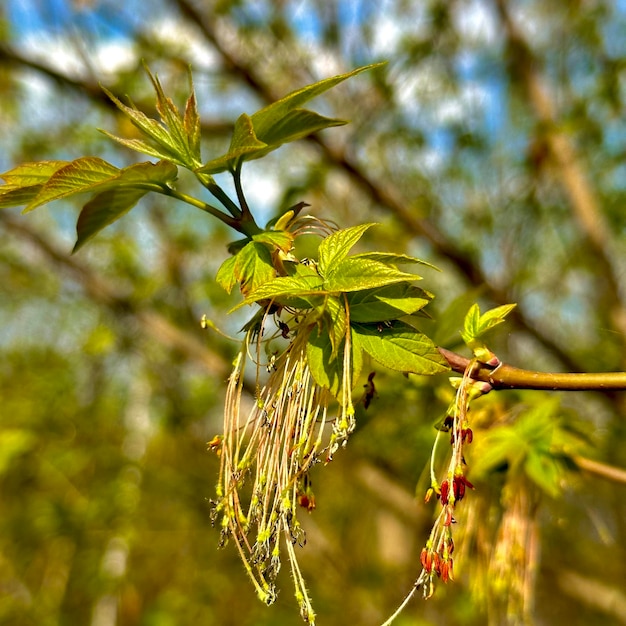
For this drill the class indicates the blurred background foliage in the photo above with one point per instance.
(492, 145)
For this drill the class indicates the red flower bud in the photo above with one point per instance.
(445, 488)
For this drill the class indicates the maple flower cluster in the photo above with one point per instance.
(436, 556)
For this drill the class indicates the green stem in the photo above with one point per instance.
(508, 377)
(245, 209)
(203, 206)
(223, 197)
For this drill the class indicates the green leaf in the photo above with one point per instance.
(31, 174)
(278, 239)
(336, 323)
(138, 145)
(253, 267)
(191, 122)
(79, 176)
(295, 125)
(401, 347)
(391, 258)
(147, 174)
(104, 209)
(225, 276)
(265, 120)
(354, 274)
(276, 124)
(244, 142)
(17, 196)
(327, 366)
(177, 138)
(386, 303)
(285, 286)
(477, 325)
(24, 182)
(335, 247)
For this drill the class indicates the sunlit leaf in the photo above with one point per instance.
(281, 122)
(191, 122)
(391, 258)
(120, 194)
(138, 145)
(79, 176)
(29, 174)
(253, 267)
(295, 125)
(176, 138)
(336, 247)
(326, 364)
(244, 142)
(477, 325)
(353, 274)
(265, 119)
(225, 276)
(279, 239)
(401, 347)
(106, 208)
(386, 303)
(288, 286)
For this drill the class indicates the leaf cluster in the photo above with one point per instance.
(361, 302)
(476, 325)
(175, 140)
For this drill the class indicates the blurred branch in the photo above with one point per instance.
(594, 593)
(609, 472)
(91, 90)
(569, 165)
(153, 324)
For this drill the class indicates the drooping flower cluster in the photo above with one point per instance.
(266, 454)
(436, 556)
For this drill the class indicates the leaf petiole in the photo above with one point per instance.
(203, 206)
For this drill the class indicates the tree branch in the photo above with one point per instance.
(508, 377)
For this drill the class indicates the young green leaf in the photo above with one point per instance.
(354, 274)
(278, 239)
(477, 325)
(325, 368)
(391, 258)
(176, 139)
(244, 142)
(17, 196)
(265, 119)
(285, 287)
(326, 364)
(335, 247)
(295, 125)
(225, 276)
(335, 321)
(31, 174)
(104, 209)
(276, 124)
(386, 303)
(401, 347)
(191, 123)
(253, 267)
(79, 176)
